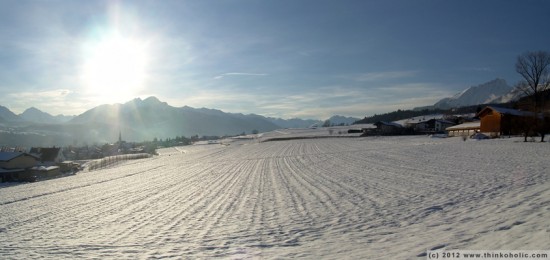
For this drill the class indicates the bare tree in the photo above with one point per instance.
(534, 67)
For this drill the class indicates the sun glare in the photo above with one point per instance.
(115, 68)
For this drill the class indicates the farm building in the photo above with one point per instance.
(466, 129)
(497, 121)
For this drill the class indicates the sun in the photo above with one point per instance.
(115, 67)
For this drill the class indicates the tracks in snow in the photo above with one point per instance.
(278, 199)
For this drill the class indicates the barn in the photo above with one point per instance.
(497, 121)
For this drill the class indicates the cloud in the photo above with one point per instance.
(239, 74)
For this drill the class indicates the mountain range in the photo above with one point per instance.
(146, 119)
(150, 118)
(136, 120)
(31, 115)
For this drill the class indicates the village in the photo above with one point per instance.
(40, 163)
(18, 164)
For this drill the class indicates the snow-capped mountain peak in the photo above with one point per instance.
(489, 92)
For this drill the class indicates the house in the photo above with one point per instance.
(465, 129)
(497, 121)
(388, 128)
(17, 160)
(48, 156)
(14, 165)
(433, 126)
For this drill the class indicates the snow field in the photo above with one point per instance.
(354, 198)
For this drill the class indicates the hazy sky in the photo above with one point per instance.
(283, 58)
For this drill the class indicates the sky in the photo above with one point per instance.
(309, 59)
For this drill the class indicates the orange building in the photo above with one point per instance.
(497, 121)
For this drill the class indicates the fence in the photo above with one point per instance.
(113, 160)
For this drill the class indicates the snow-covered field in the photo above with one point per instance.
(331, 198)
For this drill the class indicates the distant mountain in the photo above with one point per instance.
(63, 118)
(136, 120)
(495, 91)
(146, 119)
(30, 116)
(7, 115)
(514, 95)
(338, 120)
(36, 116)
(294, 122)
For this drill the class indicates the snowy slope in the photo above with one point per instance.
(337, 198)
